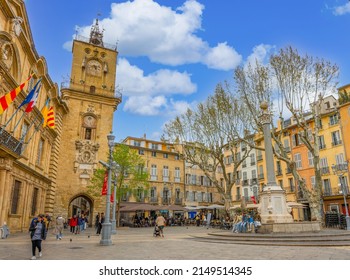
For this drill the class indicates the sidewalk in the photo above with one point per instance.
(139, 244)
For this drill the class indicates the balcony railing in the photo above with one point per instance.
(323, 146)
(178, 201)
(259, 158)
(245, 182)
(327, 192)
(324, 170)
(165, 200)
(340, 167)
(153, 199)
(336, 142)
(154, 178)
(261, 176)
(279, 173)
(253, 181)
(140, 199)
(10, 143)
(238, 197)
(165, 178)
(344, 189)
(82, 86)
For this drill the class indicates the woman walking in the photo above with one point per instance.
(37, 234)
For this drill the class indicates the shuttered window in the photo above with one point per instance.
(34, 201)
(15, 197)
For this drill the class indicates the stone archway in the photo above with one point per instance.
(81, 204)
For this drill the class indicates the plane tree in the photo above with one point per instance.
(294, 85)
(206, 134)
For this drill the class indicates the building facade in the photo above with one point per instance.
(29, 152)
(172, 181)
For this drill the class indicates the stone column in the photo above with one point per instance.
(273, 206)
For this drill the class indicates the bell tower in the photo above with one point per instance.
(92, 99)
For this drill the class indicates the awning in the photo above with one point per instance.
(132, 207)
(215, 206)
(247, 206)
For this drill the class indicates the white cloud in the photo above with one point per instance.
(133, 81)
(145, 105)
(342, 10)
(260, 54)
(170, 37)
(179, 107)
(222, 57)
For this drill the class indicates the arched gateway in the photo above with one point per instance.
(81, 204)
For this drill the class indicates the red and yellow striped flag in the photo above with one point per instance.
(48, 115)
(50, 119)
(8, 98)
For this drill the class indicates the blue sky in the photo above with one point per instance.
(173, 53)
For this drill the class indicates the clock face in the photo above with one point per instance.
(94, 68)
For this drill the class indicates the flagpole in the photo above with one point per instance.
(8, 139)
(9, 120)
(33, 123)
(12, 95)
(36, 129)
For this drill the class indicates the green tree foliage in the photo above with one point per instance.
(129, 176)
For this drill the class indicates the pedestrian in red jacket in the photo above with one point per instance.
(73, 222)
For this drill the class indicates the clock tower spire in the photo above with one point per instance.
(96, 35)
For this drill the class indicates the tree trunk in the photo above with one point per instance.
(227, 203)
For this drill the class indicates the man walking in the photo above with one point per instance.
(160, 222)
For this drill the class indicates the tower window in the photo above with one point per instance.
(88, 134)
(89, 127)
(92, 89)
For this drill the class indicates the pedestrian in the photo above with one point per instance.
(60, 221)
(73, 222)
(80, 224)
(99, 227)
(37, 235)
(97, 220)
(160, 222)
(198, 220)
(47, 221)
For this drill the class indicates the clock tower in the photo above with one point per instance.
(92, 99)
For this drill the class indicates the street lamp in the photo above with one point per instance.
(106, 226)
(340, 170)
(115, 182)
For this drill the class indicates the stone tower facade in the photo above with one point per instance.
(92, 99)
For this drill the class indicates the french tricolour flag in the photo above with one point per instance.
(31, 97)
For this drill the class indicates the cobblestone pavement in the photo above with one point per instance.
(139, 244)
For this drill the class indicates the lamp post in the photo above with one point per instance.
(114, 221)
(340, 170)
(106, 226)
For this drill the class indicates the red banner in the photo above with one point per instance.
(253, 199)
(105, 183)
